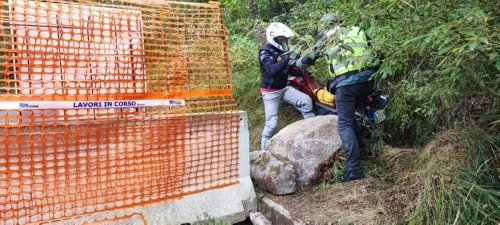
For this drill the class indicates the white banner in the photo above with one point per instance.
(89, 104)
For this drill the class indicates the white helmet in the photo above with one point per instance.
(275, 30)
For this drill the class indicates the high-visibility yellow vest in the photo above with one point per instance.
(354, 53)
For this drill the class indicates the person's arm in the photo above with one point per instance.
(270, 66)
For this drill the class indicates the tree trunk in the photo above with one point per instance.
(259, 31)
(254, 11)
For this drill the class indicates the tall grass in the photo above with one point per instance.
(460, 180)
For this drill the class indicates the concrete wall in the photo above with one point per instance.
(230, 204)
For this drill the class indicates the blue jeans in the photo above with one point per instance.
(347, 98)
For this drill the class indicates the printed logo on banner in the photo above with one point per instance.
(26, 105)
(176, 102)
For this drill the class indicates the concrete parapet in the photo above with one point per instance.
(230, 203)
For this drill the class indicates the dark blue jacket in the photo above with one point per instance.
(274, 67)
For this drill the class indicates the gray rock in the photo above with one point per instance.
(258, 219)
(310, 145)
(270, 174)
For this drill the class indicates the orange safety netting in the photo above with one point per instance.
(109, 105)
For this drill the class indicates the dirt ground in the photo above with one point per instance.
(371, 200)
(358, 202)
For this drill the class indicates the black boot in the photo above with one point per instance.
(352, 175)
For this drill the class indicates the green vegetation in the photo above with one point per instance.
(453, 180)
(207, 219)
(441, 74)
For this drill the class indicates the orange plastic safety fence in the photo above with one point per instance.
(109, 105)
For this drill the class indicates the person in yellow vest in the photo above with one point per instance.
(350, 62)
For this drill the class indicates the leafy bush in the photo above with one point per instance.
(245, 70)
(441, 60)
(236, 16)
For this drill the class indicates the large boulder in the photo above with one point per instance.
(310, 145)
(271, 174)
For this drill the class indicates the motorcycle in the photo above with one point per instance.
(370, 111)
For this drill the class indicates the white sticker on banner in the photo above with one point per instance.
(88, 104)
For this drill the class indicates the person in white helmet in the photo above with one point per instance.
(275, 68)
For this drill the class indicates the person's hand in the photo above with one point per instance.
(285, 58)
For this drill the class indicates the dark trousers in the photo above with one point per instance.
(346, 100)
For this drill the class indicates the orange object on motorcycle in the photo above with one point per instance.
(371, 101)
